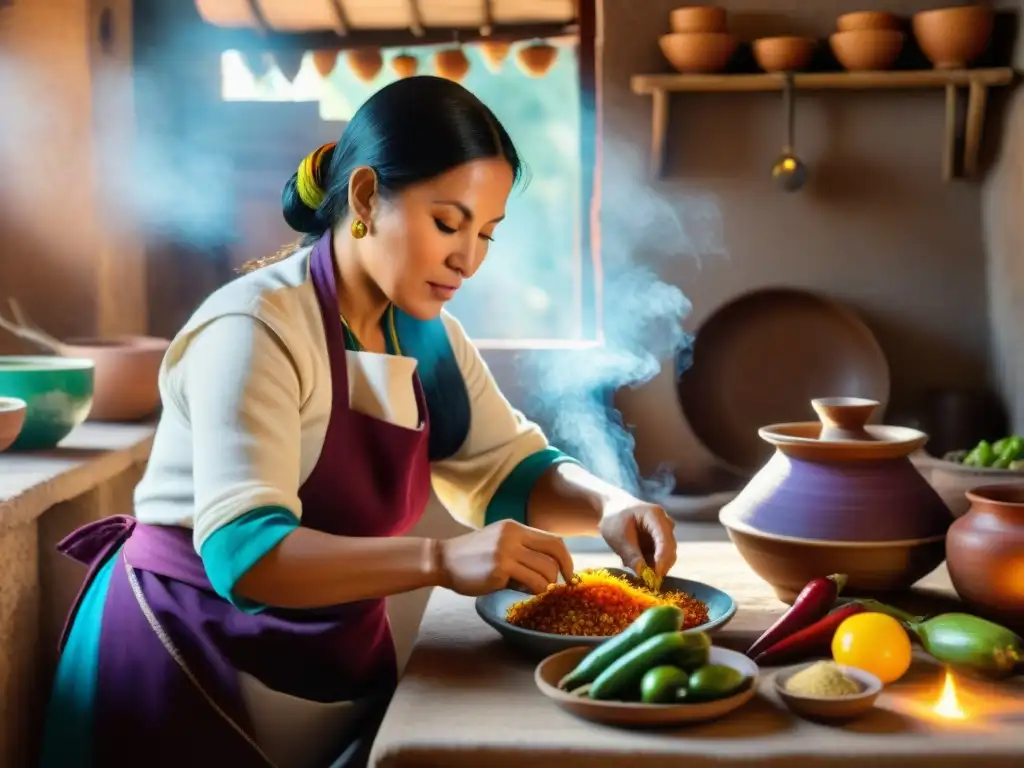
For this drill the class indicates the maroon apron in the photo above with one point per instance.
(171, 648)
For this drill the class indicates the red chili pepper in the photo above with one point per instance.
(810, 641)
(813, 602)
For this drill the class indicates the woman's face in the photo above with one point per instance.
(426, 241)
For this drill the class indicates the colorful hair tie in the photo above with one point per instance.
(308, 180)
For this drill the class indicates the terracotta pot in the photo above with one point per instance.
(494, 53)
(405, 65)
(365, 63)
(452, 64)
(12, 419)
(536, 59)
(783, 54)
(985, 553)
(849, 22)
(698, 52)
(952, 38)
(847, 505)
(325, 62)
(697, 18)
(289, 62)
(867, 49)
(126, 375)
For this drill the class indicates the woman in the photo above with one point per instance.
(309, 406)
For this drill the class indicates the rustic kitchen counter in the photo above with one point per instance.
(44, 495)
(467, 700)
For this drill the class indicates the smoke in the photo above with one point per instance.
(642, 320)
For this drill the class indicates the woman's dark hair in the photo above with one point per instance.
(409, 131)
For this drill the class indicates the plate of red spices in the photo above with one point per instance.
(594, 606)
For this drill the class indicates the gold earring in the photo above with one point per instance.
(358, 229)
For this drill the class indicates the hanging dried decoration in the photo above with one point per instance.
(537, 58)
(289, 62)
(365, 63)
(494, 53)
(325, 61)
(451, 64)
(405, 65)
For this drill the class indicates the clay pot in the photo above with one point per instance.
(12, 419)
(258, 64)
(536, 59)
(867, 49)
(405, 65)
(494, 53)
(451, 64)
(952, 38)
(698, 52)
(985, 553)
(697, 18)
(325, 61)
(126, 375)
(783, 54)
(850, 22)
(289, 62)
(854, 506)
(365, 63)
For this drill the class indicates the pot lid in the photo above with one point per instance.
(843, 434)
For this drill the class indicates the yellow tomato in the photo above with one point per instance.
(875, 643)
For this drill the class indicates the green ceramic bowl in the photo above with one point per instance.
(58, 391)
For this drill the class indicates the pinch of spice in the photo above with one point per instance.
(822, 680)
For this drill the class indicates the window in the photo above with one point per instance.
(534, 288)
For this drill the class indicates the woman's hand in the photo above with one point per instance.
(486, 560)
(641, 534)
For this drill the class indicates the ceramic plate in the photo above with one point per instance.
(627, 713)
(492, 608)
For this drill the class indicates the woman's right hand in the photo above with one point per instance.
(487, 560)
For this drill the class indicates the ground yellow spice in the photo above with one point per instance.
(823, 679)
(597, 604)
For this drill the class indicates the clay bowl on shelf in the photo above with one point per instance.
(697, 18)
(863, 50)
(983, 551)
(952, 38)
(853, 504)
(850, 22)
(12, 419)
(783, 54)
(698, 52)
(127, 370)
(57, 392)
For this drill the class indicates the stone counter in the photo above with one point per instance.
(44, 496)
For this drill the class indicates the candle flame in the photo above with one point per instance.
(948, 705)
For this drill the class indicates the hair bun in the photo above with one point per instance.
(305, 191)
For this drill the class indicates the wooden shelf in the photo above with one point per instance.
(976, 81)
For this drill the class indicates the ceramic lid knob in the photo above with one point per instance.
(843, 418)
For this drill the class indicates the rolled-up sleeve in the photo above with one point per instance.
(492, 475)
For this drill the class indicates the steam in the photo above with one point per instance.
(642, 318)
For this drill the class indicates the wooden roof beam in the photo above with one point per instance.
(415, 18)
(488, 26)
(341, 24)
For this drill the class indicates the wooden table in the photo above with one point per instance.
(468, 700)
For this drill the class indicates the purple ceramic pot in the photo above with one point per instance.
(865, 501)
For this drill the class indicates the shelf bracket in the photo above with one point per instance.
(977, 98)
(659, 131)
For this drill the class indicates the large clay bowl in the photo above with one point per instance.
(850, 22)
(698, 52)
(952, 38)
(58, 394)
(697, 18)
(839, 501)
(127, 373)
(783, 54)
(863, 50)
(787, 564)
(952, 480)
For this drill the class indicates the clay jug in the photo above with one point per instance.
(985, 553)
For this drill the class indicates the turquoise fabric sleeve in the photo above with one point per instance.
(232, 550)
(511, 499)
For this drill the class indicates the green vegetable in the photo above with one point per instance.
(1012, 448)
(626, 672)
(1000, 445)
(653, 621)
(695, 653)
(714, 681)
(960, 640)
(981, 456)
(1016, 465)
(659, 685)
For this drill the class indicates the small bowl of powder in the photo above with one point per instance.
(824, 690)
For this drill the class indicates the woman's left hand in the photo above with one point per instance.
(641, 534)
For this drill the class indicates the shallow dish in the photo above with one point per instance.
(621, 713)
(12, 419)
(829, 708)
(57, 390)
(492, 609)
